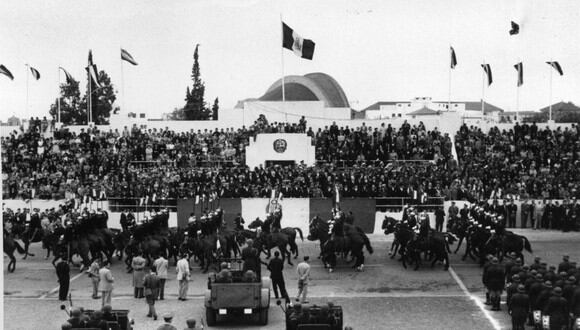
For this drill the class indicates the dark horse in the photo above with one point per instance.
(20, 231)
(290, 232)
(10, 245)
(434, 244)
(507, 243)
(403, 234)
(353, 242)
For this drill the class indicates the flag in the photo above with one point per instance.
(520, 68)
(300, 46)
(453, 58)
(35, 73)
(69, 78)
(515, 28)
(557, 67)
(336, 196)
(487, 70)
(127, 57)
(6, 72)
(92, 70)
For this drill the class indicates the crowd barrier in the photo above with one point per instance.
(367, 212)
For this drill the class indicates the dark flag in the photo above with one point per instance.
(515, 28)
(69, 78)
(35, 73)
(520, 68)
(300, 46)
(453, 58)
(557, 67)
(92, 70)
(487, 70)
(6, 72)
(127, 57)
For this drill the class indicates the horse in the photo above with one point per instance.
(20, 231)
(204, 248)
(507, 243)
(434, 243)
(353, 241)
(289, 231)
(461, 229)
(403, 234)
(265, 242)
(10, 245)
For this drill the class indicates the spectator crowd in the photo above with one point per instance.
(410, 161)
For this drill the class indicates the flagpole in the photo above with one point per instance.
(550, 103)
(483, 93)
(449, 94)
(27, 67)
(89, 96)
(58, 97)
(122, 84)
(282, 59)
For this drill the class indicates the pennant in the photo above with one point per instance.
(487, 70)
(557, 67)
(301, 47)
(336, 196)
(69, 78)
(92, 70)
(35, 73)
(127, 57)
(6, 72)
(515, 28)
(453, 58)
(520, 68)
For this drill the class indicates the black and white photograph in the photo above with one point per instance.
(276, 164)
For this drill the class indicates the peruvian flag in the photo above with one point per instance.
(294, 42)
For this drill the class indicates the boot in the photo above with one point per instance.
(135, 292)
(487, 301)
(140, 293)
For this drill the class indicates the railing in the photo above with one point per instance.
(396, 204)
(133, 204)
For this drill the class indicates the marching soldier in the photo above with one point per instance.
(518, 308)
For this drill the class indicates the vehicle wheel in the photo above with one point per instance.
(210, 316)
(264, 316)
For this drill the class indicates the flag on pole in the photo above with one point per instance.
(69, 78)
(487, 70)
(453, 58)
(35, 73)
(520, 68)
(515, 28)
(300, 46)
(6, 72)
(92, 70)
(336, 198)
(127, 57)
(557, 67)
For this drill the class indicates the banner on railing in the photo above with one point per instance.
(280, 147)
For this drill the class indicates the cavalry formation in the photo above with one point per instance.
(71, 232)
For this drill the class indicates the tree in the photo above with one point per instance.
(214, 109)
(195, 106)
(71, 110)
(102, 99)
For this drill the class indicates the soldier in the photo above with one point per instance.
(518, 308)
(495, 279)
(440, 218)
(512, 289)
(511, 210)
(544, 296)
(239, 222)
(565, 264)
(557, 309)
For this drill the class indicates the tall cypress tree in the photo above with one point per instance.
(195, 107)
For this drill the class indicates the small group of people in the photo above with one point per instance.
(553, 291)
(303, 314)
(96, 320)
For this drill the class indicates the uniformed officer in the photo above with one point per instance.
(495, 279)
(557, 309)
(518, 308)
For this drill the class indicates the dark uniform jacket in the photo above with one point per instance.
(557, 308)
(519, 306)
(276, 266)
(495, 277)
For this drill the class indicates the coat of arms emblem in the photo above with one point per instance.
(280, 145)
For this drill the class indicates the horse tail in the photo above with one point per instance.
(19, 247)
(527, 244)
(299, 232)
(367, 243)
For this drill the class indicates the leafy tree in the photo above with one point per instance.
(195, 106)
(214, 109)
(102, 99)
(71, 110)
(176, 114)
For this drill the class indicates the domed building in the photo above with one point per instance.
(312, 95)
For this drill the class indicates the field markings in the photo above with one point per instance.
(77, 276)
(494, 323)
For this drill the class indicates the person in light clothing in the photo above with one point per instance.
(161, 265)
(94, 275)
(106, 283)
(303, 271)
(183, 276)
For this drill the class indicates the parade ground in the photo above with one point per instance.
(384, 296)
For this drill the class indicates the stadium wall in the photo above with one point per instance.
(297, 211)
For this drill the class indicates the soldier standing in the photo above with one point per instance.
(519, 307)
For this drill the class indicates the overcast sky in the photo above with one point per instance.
(377, 50)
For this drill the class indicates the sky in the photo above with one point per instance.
(377, 50)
